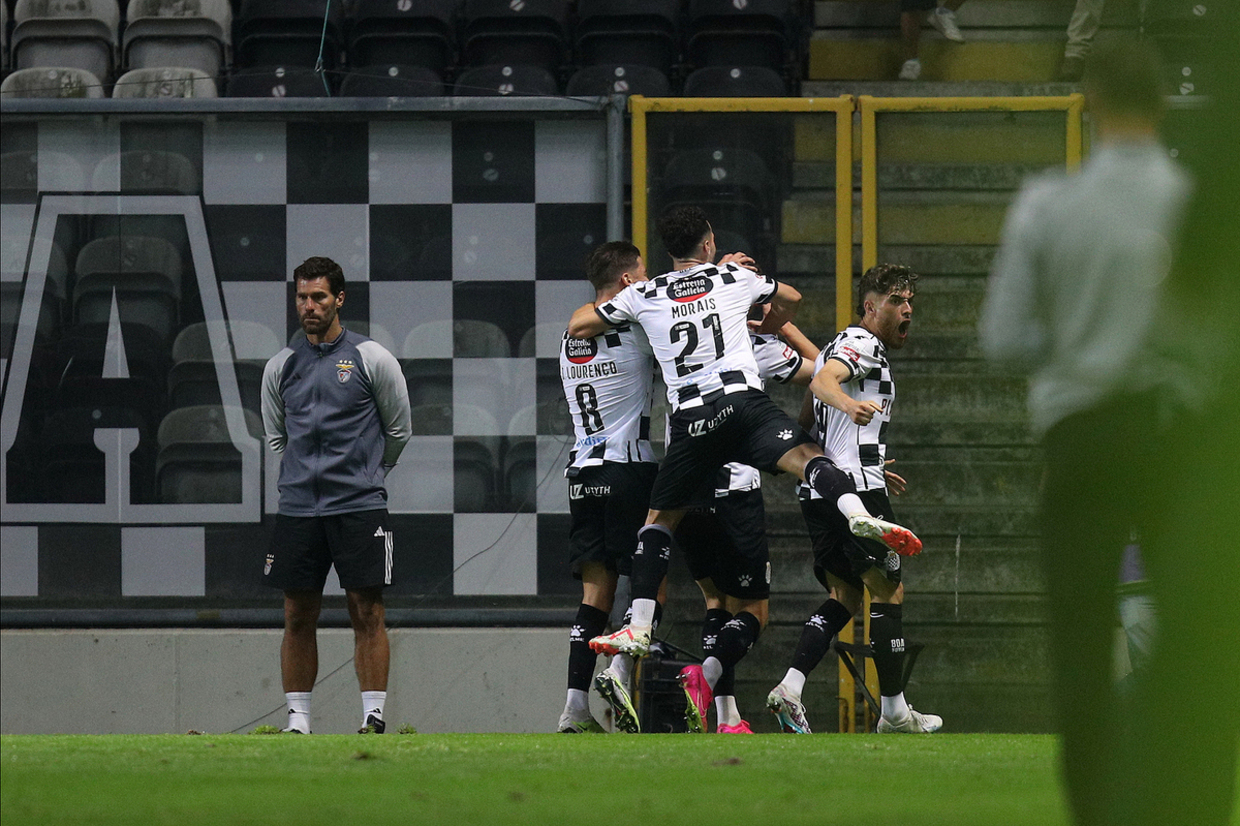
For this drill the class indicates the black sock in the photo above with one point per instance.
(736, 638)
(817, 634)
(715, 618)
(590, 623)
(827, 480)
(654, 548)
(887, 640)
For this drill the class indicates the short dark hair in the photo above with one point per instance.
(319, 266)
(883, 279)
(609, 261)
(1125, 76)
(682, 229)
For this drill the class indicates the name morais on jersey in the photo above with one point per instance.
(695, 320)
(609, 386)
(858, 450)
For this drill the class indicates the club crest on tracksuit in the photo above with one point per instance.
(344, 370)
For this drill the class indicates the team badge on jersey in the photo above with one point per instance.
(689, 289)
(580, 350)
(344, 370)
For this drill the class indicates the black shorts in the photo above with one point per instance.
(608, 504)
(744, 427)
(838, 552)
(304, 548)
(727, 544)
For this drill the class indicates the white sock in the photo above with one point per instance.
(726, 713)
(298, 703)
(794, 682)
(643, 612)
(578, 703)
(712, 670)
(622, 664)
(895, 707)
(850, 505)
(372, 703)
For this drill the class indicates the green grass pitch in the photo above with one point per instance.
(537, 779)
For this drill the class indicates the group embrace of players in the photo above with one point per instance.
(695, 323)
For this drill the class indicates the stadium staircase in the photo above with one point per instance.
(959, 433)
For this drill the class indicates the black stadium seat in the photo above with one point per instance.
(723, 32)
(531, 32)
(278, 82)
(514, 79)
(382, 32)
(644, 32)
(392, 81)
(288, 33)
(619, 79)
(735, 82)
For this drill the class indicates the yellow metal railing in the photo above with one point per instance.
(868, 108)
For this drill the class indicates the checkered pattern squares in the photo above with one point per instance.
(493, 242)
(244, 162)
(410, 163)
(495, 553)
(19, 566)
(163, 562)
(421, 482)
(328, 163)
(493, 162)
(338, 231)
(570, 161)
(411, 242)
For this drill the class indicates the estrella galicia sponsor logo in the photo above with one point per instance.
(689, 289)
(344, 370)
(704, 426)
(582, 491)
(580, 350)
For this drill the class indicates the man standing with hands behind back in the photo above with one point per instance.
(336, 409)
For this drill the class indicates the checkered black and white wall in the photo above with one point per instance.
(463, 242)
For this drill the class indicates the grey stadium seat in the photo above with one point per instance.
(81, 34)
(52, 82)
(197, 461)
(167, 82)
(161, 33)
(144, 274)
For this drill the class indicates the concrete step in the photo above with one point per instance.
(975, 397)
(817, 175)
(926, 217)
(1004, 55)
(978, 14)
(891, 88)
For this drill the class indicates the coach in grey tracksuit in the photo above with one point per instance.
(336, 407)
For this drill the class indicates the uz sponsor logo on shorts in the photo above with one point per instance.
(704, 426)
(582, 491)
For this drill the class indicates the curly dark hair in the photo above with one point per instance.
(607, 263)
(883, 279)
(682, 228)
(321, 267)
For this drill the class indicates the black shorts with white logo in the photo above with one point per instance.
(608, 503)
(726, 543)
(744, 427)
(304, 548)
(838, 552)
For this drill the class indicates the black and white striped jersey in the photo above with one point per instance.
(776, 360)
(609, 386)
(858, 450)
(695, 320)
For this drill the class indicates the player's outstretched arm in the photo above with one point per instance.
(784, 304)
(586, 322)
(826, 386)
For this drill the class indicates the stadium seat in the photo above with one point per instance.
(288, 33)
(641, 32)
(193, 378)
(430, 339)
(618, 79)
(4, 37)
(277, 82)
(721, 32)
(473, 473)
(148, 171)
(46, 322)
(144, 275)
(383, 33)
(197, 462)
(392, 81)
(164, 83)
(429, 381)
(734, 187)
(531, 32)
(473, 338)
(162, 33)
(81, 35)
(55, 82)
(520, 475)
(735, 81)
(515, 80)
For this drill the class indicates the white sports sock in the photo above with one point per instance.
(794, 681)
(712, 670)
(850, 505)
(577, 705)
(726, 713)
(622, 665)
(895, 707)
(298, 703)
(643, 612)
(372, 703)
